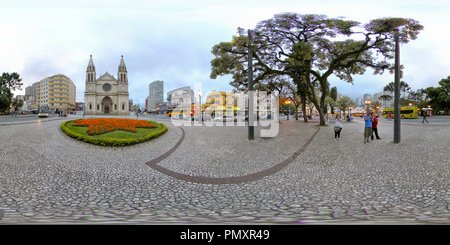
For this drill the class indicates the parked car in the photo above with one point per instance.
(180, 117)
(225, 118)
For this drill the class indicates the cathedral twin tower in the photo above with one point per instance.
(106, 94)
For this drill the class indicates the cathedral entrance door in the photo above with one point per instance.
(106, 102)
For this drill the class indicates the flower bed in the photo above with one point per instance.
(98, 126)
(113, 131)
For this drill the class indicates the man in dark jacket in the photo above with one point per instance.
(424, 114)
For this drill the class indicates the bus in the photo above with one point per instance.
(43, 112)
(405, 112)
(183, 112)
(179, 112)
(169, 112)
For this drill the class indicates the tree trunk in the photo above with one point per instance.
(321, 116)
(305, 117)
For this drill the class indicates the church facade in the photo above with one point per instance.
(106, 95)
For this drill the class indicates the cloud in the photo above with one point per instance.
(172, 40)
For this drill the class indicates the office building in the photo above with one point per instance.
(156, 95)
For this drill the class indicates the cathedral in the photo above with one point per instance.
(106, 95)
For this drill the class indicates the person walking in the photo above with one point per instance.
(389, 116)
(375, 127)
(337, 127)
(424, 114)
(367, 127)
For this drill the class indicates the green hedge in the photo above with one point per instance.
(111, 141)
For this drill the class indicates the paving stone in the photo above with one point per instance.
(48, 177)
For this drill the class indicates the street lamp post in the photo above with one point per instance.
(288, 103)
(367, 104)
(251, 130)
(200, 105)
(397, 90)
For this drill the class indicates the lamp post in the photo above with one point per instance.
(367, 104)
(200, 105)
(397, 90)
(251, 130)
(288, 103)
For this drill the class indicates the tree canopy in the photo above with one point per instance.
(309, 49)
(440, 96)
(8, 82)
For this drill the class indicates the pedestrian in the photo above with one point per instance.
(424, 114)
(389, 116)
(375, 127)
(337, 127)
(367, 127)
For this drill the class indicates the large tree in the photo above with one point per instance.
(333, 98)
(440, 96)
(4, 104)
(345, 102)
(10, 81)
(404, 88)
(310, 49)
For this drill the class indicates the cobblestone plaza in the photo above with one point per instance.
(214, 175)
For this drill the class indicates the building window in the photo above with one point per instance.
(107, 87)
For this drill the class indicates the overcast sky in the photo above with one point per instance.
(172, 40)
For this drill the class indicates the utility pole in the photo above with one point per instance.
(397, 90)
(251, 130)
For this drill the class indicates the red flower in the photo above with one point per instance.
(105, 125)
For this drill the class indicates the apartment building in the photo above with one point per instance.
(57, 92)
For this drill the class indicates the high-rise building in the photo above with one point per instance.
(358, 101)
(376, 97)
(156, 94)
(30, 92)
(388, 103)
(56, 92)
(367, 97)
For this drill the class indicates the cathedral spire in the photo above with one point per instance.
(91, 66)
(90, 71)
(122, 71)
(122, 66)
